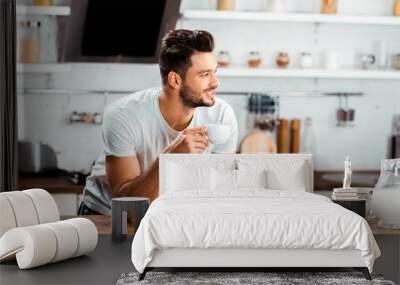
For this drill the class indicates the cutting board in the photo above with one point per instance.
(257, 142)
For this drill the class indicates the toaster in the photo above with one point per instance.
(36, 157)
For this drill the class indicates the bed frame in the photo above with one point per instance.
(260, 259)
(246, 259)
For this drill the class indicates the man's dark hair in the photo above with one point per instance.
(178, 46)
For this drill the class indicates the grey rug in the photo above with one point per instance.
(228, 278)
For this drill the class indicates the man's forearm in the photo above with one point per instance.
(146, 185)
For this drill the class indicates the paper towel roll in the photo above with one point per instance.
(7, 217)
(87, 234)
(23, 207)
(45, 205)
(67, 239)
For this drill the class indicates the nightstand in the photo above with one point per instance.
(357, 206)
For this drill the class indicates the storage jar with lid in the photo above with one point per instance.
(30, 42)
(282, 60)
(226, 5)
(397, 8)
(223, 58)
(396, 61)
(306, 60)
(254, 59)
(329, 6)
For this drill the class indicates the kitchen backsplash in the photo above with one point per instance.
(45, 117)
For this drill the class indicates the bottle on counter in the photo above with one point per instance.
(307, 144)
(295, 136)
(395, 140)
(283, 136)
(381, 57)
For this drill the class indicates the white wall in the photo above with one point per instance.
(44, 116)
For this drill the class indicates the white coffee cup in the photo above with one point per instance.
(218, 133)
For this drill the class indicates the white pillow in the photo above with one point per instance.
(227, 179)
(282, 174)
(188, 177)
(223, 179)
(293, 180)
(251, 178)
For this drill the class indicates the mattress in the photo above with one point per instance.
(250, 219)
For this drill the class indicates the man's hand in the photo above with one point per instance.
(192, 140)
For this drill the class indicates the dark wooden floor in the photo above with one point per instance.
(102, 266)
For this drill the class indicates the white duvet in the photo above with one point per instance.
(253, 218)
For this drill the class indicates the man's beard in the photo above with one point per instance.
(192, 99)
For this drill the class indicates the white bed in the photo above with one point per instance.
(215, 211)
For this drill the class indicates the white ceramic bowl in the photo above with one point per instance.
(218, 133)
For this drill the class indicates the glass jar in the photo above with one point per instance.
(385, 200)
(329, 7)
(282, 60)
(396, 11)
(277, 6)
(223, 58)
(396, 61)
(30, 42)
(306, 60)
(254, 59)
(226, 5)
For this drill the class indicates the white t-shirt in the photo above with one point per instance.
(134, 125)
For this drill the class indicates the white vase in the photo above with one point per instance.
(277, 6)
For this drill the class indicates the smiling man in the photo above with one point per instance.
(138, 128)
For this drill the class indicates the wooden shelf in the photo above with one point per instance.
(44, 10)
(290, 17)
(309, 73)
(43, 68)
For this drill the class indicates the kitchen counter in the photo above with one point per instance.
(53, 184)
(103, 223)
(330, 179)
